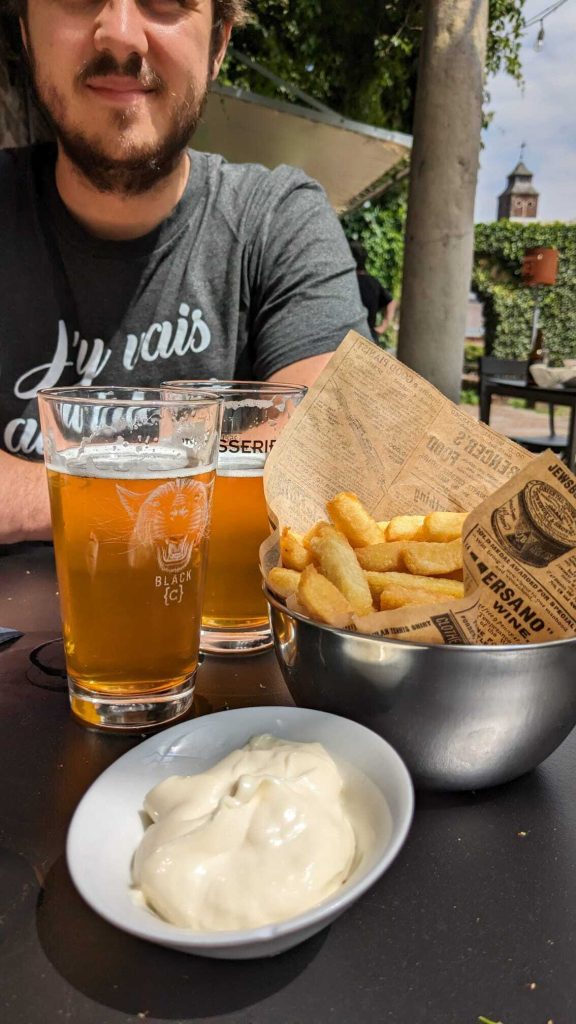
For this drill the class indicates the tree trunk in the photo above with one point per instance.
(444, 168)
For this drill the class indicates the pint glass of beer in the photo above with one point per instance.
(235, 614)
(130, 475)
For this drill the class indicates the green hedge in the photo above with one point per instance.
(380, 228)
(508, 304)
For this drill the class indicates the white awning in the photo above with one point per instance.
(352, 161)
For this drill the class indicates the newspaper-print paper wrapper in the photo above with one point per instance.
(373, 426)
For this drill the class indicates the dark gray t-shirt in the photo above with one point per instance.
(249, 273)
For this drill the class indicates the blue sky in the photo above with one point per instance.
(542, 114)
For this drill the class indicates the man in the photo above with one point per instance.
(375, 298)
(127, 258)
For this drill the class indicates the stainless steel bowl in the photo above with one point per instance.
(460, 717)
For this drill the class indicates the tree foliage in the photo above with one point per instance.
(359, 58)
(380, 227)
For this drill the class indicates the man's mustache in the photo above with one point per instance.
(135, 67)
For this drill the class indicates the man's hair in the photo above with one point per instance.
(230, 12)
(226, 12)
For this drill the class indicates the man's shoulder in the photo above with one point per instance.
(255, 180)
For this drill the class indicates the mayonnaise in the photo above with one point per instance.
(260, 837)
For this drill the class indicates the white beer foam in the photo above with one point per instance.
(126, 462)
(247, 464)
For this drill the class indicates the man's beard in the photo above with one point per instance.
(141, 167)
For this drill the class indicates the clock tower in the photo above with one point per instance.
(519, 199)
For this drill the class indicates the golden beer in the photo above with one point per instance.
(235, 614)
(130, 552)
(233, 598)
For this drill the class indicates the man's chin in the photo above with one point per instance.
(131, 119)
(129, 149)
(120, 132)
(132, 166)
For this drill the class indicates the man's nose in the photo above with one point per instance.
(121, 29)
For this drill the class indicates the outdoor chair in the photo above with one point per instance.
(517, 369)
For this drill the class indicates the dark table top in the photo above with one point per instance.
(475, 917)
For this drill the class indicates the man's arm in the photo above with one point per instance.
(24, 504)
(389, 314)
(304, 371)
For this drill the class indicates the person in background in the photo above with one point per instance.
(375, 298)
(127, 258)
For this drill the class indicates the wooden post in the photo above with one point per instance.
(444, 169)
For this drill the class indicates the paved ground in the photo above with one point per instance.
(522, 422)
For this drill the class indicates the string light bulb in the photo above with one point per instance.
(539, 18)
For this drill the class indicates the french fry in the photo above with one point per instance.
(444, 587)
(398, 597)
(337, 561)
(376, 581)
(405, 528)
(340, 572)
(292, 551)
(379, 581)
(350, 517)
(313, 531)
(322, 600)
(283, 582)
(427, 558)
(381, 557)
(443, 526)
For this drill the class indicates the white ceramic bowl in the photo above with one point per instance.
(107, 825)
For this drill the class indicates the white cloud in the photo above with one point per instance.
(541, 114)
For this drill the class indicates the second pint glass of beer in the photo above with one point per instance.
(130, 475)
(235, 613)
